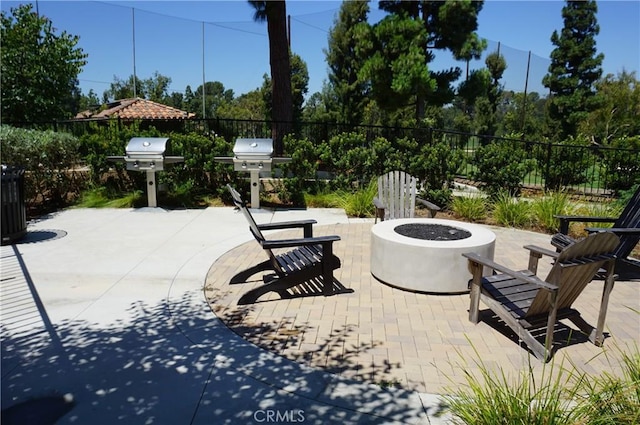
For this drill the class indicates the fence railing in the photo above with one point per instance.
(601, 169)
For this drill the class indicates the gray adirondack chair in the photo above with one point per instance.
(397, 196)
(306, 259)
(527, 303)
(626, 226)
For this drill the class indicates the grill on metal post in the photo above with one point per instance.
(253, 156)
(147, 154)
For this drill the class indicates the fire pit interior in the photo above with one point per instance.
(425, 254)
(432, 232)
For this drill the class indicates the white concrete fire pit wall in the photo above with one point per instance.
(432, 266)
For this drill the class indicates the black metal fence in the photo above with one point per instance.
(599, 169)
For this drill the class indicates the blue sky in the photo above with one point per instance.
(169, 37)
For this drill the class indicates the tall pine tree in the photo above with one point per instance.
(344, 62)
(574, 68)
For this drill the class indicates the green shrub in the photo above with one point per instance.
(547, 207)
(495, 398)
(298, 173)
(51, 161)
(562, 395)
(471, 208)
(501, 165)
(511, 211)
(360, 202)
(610, 399)
(100, 198)
(566, 163)
(435, 167)
(622, 163)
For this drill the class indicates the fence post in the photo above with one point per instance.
(548, 166)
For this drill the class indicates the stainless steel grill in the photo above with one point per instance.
(147, 154)
(253, 156)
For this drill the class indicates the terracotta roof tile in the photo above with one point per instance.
(136, 109)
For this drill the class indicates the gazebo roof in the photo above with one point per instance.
(135, 109)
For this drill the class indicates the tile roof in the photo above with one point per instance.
(135, 108)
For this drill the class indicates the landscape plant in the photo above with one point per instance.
(565, 163)
(510, 211)
(501, 166)
(50, 159)
(470, 208)
(358, 203)
(622, 163)
(546, 207)
(562, 394)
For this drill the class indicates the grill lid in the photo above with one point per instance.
(147, 146)
(253, 148)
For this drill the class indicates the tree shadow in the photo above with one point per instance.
(174, 362)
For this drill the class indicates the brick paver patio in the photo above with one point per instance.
(417, 341)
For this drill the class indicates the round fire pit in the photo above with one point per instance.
(425, 255)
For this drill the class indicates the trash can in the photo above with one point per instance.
(14, 211)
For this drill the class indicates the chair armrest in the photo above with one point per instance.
(378, 203)
(616, 230)
(307, 225)
(565, 220)
(535, 280)
(541, 251)
(433, 208)
(288, 243)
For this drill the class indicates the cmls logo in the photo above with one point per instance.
(275, 416)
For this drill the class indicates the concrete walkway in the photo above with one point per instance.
(107, 307)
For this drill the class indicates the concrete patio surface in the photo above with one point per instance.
(106, 307)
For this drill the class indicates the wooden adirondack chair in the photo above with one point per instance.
(527, 303)
(626, 226)
(310, 258)
(397, 196)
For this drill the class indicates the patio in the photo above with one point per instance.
(107, 306)
(416, 341)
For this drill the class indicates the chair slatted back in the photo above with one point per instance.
(590, 253)
(397, 191)
(253, 226)
(629, 218)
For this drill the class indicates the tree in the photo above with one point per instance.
(345, 63)
(574, 68)
(89, 101)
(486, 116)
(275, 13)
(524, 116)
(406, 51)
(155, 88)
(619, 113)
(39, 68)
(248, 106)
(215, 96)
(299, 88)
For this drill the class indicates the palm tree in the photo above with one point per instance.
(275, 13)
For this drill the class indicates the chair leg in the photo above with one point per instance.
(598, 338)
(474, 307)
(551, 324)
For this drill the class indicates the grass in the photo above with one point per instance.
(562, 395)
(545, 209)
(357, 203)
(99, 198)
(509, 211)
(470, 208)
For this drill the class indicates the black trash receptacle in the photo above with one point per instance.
(14, 211)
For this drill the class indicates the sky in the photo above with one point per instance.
(195, 41)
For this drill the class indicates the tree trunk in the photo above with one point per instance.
(282, 112)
